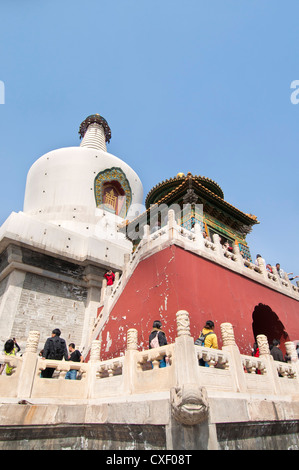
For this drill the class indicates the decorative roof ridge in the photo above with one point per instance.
(181, 176)
(208, 191)
(251, 216)
(168, 180)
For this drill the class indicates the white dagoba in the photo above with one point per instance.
(61, 191)
(55, 252)
(60, 185)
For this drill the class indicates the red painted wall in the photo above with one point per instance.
(175, 279)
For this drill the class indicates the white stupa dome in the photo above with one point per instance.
(69, 186)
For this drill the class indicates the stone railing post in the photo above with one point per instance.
(29, 363)
(95, 351)
(198, 236)
(219, 248)
(263, 345)
(288, 281)
(132, 340)
(237, 253)
(279, 279)
(291, 351)
(146, 233)
(229, 344)
(186, 363)
(171, 224)
(103, 290)
(262, 267)
(271, 370)
(274, 271)
(189, 401)
(293, 356)
(95, 354)
(126, 265)
(130, 366)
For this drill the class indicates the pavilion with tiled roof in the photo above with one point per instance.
(207, 207)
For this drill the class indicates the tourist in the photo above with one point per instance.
(226, 246)
(55, 348)
(157, 338)
(255, 350)
(256, 353)
(75, 356)
(280, 271)
(9, 350)
(259, 257)
(269, 268)
(208, 339)
(275, 351)
(110, 276)
(205, 236)
(284, 275)
(17, 347)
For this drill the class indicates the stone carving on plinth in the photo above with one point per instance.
(132, 339)
(95, 351)
(183, 323)
(227, 333)
(263, 345)
(32, 342)
(189, 404)
(291, 351)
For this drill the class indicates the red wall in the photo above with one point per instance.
(175, 279)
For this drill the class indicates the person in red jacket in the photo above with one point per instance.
(110, 276)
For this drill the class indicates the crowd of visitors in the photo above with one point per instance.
(226, 245)
(55, 348)
(281, 273)
(11, 347)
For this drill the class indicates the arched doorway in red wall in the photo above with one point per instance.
(266, 322)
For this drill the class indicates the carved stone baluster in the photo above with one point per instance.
(291, 351)
(227, 333)
(183, 323)
(32, 342)
(95, 351)
(28, 367)
(132, 340)
(233, 359)
(250, 366)
(62, 373)
(156, 363)
(212, 362)
(110, 370)
(263, 345)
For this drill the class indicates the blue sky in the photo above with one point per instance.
(200, 86)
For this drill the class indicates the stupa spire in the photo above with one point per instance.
(95, 132)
